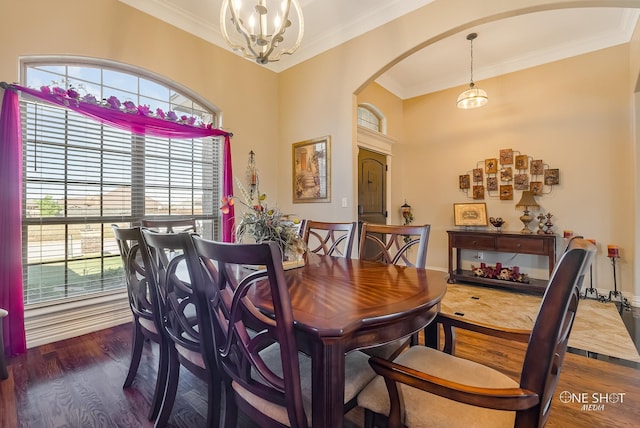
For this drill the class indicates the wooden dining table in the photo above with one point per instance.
(340, 305)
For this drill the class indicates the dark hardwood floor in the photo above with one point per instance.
(78, 383)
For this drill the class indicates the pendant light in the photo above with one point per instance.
(472, 97)
(256, 28)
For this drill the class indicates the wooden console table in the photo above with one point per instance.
(507, 242)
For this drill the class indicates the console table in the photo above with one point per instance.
(506, 242)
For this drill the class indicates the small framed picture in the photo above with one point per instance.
(521, 182)
(491, 166)
(506, 157)
(506, 192)
(537, 167)
(474, 214)
(492, 184)
(522, 162)
(477, 175)
(506, 174)
(551, 177)
(465, 181)
(536, 187)
(478, 192)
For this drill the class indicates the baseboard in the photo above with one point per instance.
(51, 323)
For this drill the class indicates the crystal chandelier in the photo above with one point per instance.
(472, 97)
(256, 28)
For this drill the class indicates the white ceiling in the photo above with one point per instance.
(501, 47)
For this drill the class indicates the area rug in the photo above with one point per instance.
(598, 327)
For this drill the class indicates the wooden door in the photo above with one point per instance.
(372, 187)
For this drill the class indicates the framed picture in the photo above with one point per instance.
(522, 162)
(506, 174)
(465, 181)
(537, 167)
(312, 170)
(506, 192)
(470, 214)
(478, 192)
(536, 188)
(492, 184)
(491, 166)
(477, 175)
(551, 177)
(521, 182)
(506, 156)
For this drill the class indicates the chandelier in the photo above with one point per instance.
(472, 97)
(256, 28)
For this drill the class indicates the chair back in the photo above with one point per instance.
(243, 332)
(183, 320)
(332, 239)
(142, 297)
(550, 334)
(170, 225)
(391, 243)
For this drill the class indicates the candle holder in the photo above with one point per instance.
(591, 290)
(614, 253)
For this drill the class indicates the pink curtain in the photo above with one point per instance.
(10, 225)
(136, 120)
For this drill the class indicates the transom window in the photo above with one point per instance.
(80, 177)
(371, 117)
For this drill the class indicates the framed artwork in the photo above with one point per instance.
(492, 184)
(551, 177)
(478, 192)
(477, 175)
(312, 170)
(506, 174)
(506, 192)
(522, 162)
(465, 181)
(506, 157)
(470, 214)
(536, 187)
(491, 166)
(521, 182)
(537, 167)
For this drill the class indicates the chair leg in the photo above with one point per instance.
(214, 390)
(230, 407)
(161, 381)
(369, 418)
(136, 353)
(171, 388)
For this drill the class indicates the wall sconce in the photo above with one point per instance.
(406, 212)
(252, 174)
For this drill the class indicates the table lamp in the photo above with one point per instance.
(527, 201)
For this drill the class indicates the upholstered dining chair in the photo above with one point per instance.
(394, 244)
(333, 239)
(441, 390)
(146, 318)
(185, 325)
(266, 377)
(170, 225)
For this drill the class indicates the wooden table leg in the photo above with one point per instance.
(327, 367)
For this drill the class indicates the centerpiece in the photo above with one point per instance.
(259, 223)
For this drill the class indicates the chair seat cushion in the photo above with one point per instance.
(358, 373)
(423, 409)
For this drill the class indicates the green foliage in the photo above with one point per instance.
(48, 207)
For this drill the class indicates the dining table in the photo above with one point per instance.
(341, 305)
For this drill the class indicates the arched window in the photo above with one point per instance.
(80, 176)
(369, 116)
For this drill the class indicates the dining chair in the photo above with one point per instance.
(267, 378)
(439, 389)
(394, 244)
(329, 238)
(185, 325)
(170, 225)
(146, 317)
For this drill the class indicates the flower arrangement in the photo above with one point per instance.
(72, 95)
(265, 224)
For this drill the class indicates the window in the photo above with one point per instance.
(370, 117)
(81, 176)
